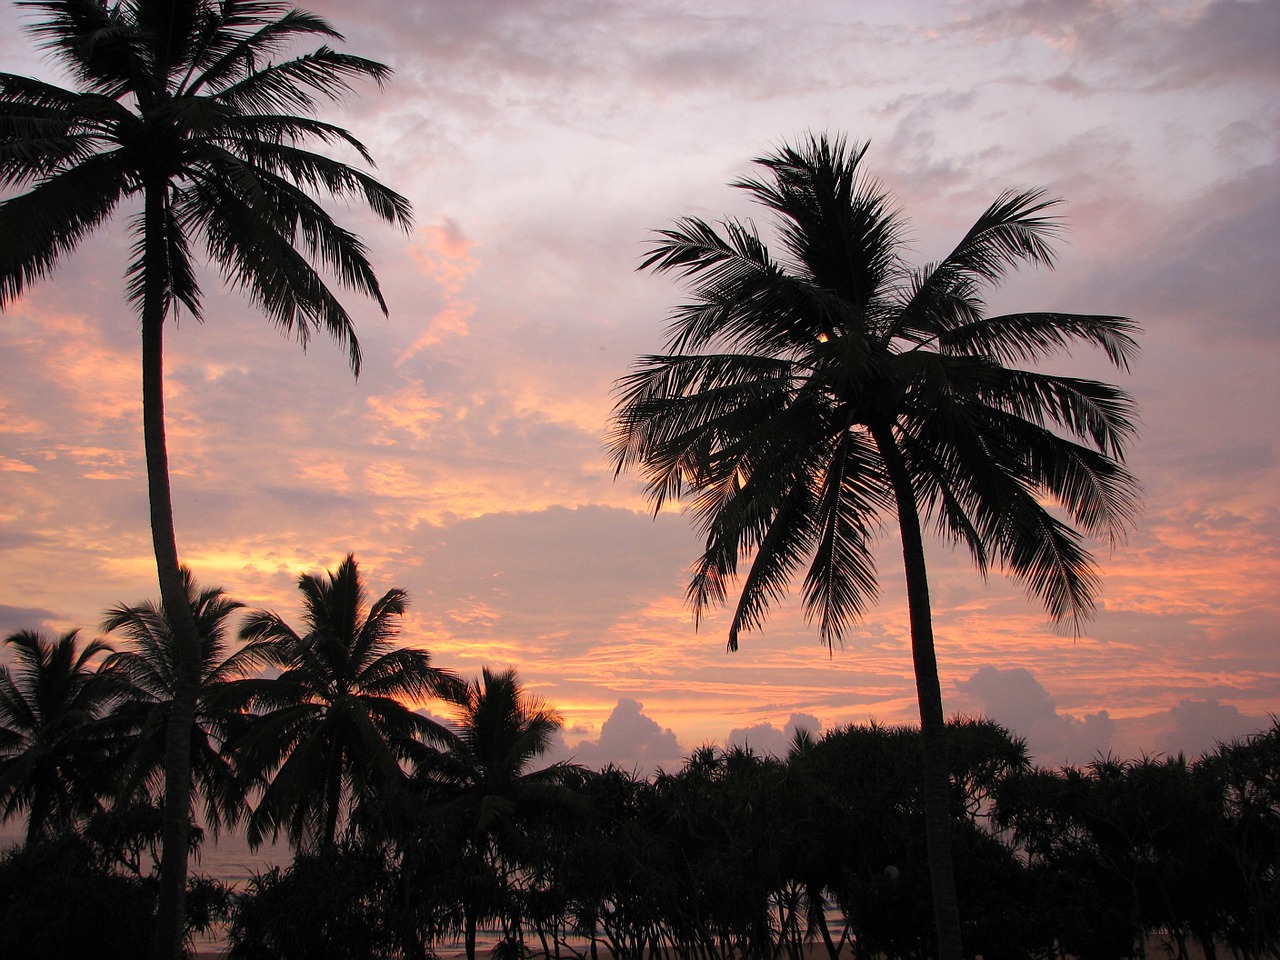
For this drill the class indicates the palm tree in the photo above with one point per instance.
(150, 667)
(52, 752)
(485, 780)
(800, 400)
(194, 109)
(332, 729)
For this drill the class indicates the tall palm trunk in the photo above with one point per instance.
(937, 787)
(177, 758)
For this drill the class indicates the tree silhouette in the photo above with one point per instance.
(332, 730)
(52, 745)
(194, 109)
(485, 785)
(800, 401)
(1248, 772)
(150, 666)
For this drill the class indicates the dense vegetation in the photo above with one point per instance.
(408, 833)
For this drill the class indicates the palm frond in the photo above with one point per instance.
(946, 295)
(49, 221)
(260, 143)
(295, 84)
(739, 294)
(841, 582)
(1029, 337)
(785, 537)
(100, 44)
(278, 279)
(176, 271)
(244, 35)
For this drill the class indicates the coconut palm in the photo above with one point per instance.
(333, 727)
(486, 785)
(150, 666)
(803, 399)
(195, 111)
(52, 746)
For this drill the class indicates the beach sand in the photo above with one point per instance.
(1158, 948)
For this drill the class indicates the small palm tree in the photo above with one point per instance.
(195, 110)
(332, 729)
(801, 400)
(150, 666)
(486, 784)
(53, 750)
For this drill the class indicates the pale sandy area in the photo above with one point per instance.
(1158, 948)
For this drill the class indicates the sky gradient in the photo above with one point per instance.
(541, 142)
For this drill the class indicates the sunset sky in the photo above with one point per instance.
(541, 142)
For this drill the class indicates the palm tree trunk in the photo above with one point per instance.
(176, 837)
(818, 911)
(332, 795)
(937, 786)
(470, 935)
(38, 815)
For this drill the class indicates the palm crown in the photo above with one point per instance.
(150, 667)
(785, 382)
(187, 99)
(332, 726)
(52, 747)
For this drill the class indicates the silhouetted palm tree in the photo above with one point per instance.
(332, 728)
(150, 666)
(485, 780)
(195, 109)
(801, 400)
(52, 746)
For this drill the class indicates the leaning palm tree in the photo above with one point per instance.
(53, 751)
(800, 400)
(332, 729)
(150, 666)
(195, 111)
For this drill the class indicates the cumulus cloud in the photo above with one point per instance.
(1194, 727)
(631, 740)
(1015, 698)
(765, 738)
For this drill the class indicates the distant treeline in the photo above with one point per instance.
(409, 835)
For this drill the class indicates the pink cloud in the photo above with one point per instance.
(631, 740)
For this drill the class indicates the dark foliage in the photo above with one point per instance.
(336, 903)
(78, 897)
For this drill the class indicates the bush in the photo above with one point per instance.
(68, 898)
(331, 904)
(57, 900)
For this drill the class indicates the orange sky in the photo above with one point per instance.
(540, 144)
